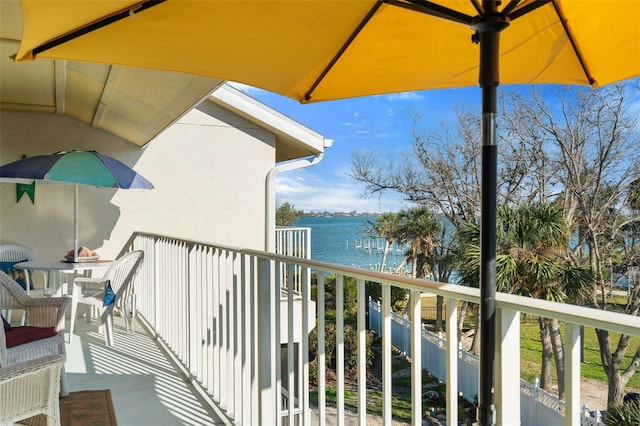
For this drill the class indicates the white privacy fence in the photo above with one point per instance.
(539, 407)
(232, 320)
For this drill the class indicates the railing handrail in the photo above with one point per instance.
(292, 228)
(580, 315)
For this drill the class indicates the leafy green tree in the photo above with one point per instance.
(287, 214)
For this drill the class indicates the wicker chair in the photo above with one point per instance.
(39, 312)
(31, 388)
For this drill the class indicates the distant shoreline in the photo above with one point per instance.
(339, 214)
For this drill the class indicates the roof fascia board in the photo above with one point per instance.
(268, 118)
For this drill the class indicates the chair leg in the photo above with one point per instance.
(53, 418)
(106, 315)
(64, 388)
(125, 312)
(74, 310)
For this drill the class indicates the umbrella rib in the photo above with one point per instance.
(421, 6)
(103, 22)
(508, 8)
(345, 46)
(574, 44)
(433, 9)
(525, 9)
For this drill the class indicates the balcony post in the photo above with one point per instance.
(306, 310)
(452, 360)
(416, 357)
(340, 347)
(322, 373)
(507, 396)
(192, 321)
(386, 354)
(249, 302)
(572, 374)
(291, 387)
(362, 358)
(267, 344)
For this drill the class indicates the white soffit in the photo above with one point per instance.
(287, 130)
(132, 103)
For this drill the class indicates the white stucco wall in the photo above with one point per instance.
(208, 170)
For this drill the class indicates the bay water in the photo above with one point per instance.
(343, 240)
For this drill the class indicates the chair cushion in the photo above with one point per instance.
(25, 334)
(16, 274)
(5, 323)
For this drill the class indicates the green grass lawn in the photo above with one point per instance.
(400, 405)
(531, 348)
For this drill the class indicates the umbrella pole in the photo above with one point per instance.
(488, 35)
(75, 221)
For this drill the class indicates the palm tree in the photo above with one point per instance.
(530, 261)
(386, 226)
(419, 228)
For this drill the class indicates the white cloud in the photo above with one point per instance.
(245, 88)
(405, 96)
(361, 132)
(311, 193)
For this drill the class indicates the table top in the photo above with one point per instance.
(63, 265)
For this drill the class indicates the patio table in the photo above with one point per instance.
(85, 268)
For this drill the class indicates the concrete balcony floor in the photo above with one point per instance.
(146, 386)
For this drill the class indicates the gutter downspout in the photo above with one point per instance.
(270, 214)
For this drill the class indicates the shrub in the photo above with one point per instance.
(623, 415)
(350, 350)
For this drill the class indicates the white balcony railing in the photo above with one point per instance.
(295, 242)
(218, 310)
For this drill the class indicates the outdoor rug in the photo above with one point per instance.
(83, 408)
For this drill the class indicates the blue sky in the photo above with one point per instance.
(382, 124)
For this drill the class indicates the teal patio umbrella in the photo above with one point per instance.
(88, 168)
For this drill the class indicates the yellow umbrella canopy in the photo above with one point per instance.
(321, 50)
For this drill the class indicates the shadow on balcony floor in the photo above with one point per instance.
(145, 386)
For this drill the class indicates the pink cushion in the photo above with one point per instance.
(21, 335)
